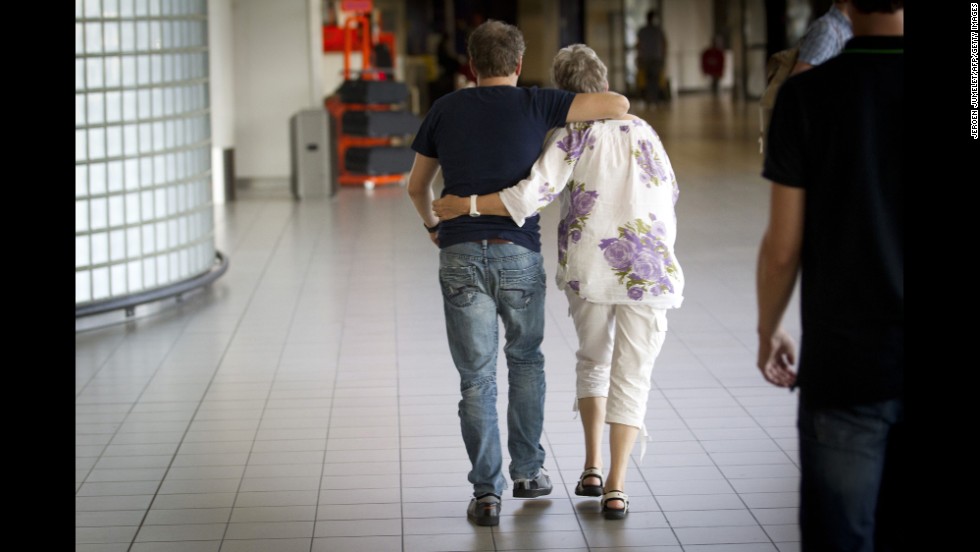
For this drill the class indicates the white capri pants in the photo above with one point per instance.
(618, 344)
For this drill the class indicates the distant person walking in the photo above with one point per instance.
(713, 63)
(651, 56)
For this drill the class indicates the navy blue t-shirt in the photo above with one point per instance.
(486, 139)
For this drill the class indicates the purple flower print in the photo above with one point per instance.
(633, 238)
(619, 254)
(658, 229)
(624, 128)
(579, 204)
(574, 285)
(646, 264)
(651, 166)
(640, 258)
(547, 193)
(582, 201)
(575, 143)
(562, 240)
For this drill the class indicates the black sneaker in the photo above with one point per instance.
(485, 510)
(533, 488)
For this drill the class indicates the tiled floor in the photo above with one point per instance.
(307, 400)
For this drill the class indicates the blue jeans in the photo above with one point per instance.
(853, 480)
(480, 282)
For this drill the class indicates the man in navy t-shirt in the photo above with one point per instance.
(486, 139)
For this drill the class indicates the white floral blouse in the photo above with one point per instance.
(617, 229)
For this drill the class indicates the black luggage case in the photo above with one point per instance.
(373, 92)
(379, 160)
(380, 123)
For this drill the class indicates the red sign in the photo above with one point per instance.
(360, 6)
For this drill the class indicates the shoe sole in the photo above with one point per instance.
(532, 494)
(614, 514)
(589, 491)
(486, 522)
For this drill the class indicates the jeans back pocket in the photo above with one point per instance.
(520, 287)
(459, 284)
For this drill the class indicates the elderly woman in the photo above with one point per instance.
(616, 262)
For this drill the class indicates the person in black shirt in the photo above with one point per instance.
(834, 160)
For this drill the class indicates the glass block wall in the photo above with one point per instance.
(143, 209)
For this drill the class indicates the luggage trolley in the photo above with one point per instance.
(369, 124)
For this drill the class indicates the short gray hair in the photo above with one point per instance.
(577, 68)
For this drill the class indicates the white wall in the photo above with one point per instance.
(687, 24)
(222, 97)
(314, 46)
(273, 79)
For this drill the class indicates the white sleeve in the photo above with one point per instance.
(546, 180)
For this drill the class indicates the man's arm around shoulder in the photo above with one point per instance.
(597, 105)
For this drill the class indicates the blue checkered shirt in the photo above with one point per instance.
(825, 38)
